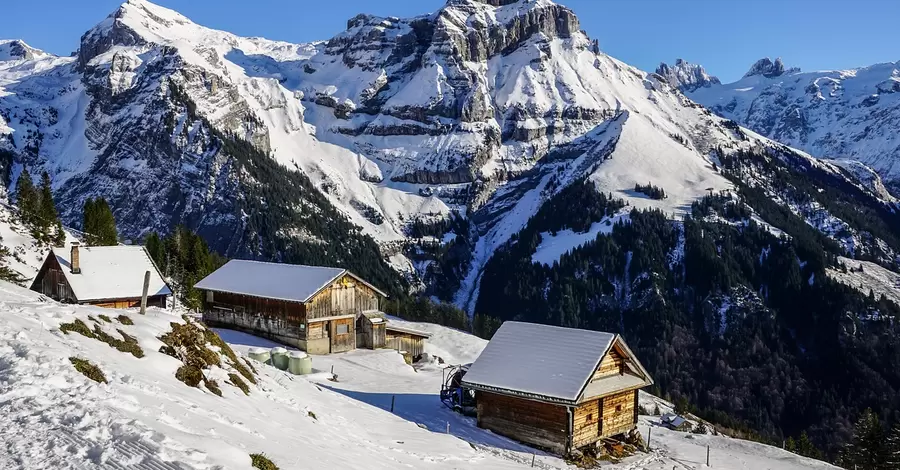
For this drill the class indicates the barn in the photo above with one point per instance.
(556, 388)
(313, 308)
(106, 276)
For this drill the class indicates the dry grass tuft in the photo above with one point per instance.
(89, 370)
(262, 462)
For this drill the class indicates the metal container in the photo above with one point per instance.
(259, 354)
(280, 358)
(300, 363)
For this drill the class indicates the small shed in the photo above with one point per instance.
(106, 276)
(406, 339)
(370, 329)
(556, 388)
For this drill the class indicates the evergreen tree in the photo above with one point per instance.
(866, 449)
(892, 448)
(99, 223)
(26, 197)
(47, 209)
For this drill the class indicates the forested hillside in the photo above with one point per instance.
(730, 314)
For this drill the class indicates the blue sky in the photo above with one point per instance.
(723, 35)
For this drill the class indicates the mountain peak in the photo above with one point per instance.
(134, 23)
(686, 76)
(15, 49)
(768, 69)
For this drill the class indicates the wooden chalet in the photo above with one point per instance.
(106, 276)
(309, 307)
(556, 388)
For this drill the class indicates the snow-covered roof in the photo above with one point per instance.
(291, 282)
(403, 329)
(110, 272)
(547, 362)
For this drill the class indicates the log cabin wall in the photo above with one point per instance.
(344, 296)
(586, 424)
(618, 413)
(537, 423)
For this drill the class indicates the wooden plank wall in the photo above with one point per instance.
(618, 413)
(343, 297)
(613, 363)
(413, 345)
(53, 283)
(345, 341)
(540, 424)
(289, 312)
(152, 301)
(586, 424)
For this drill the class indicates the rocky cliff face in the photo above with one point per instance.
(686, 76)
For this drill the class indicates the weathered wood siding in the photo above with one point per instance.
(613, 363)
(51, 281)
(586, 424)
(540, 424)
(344, 296)
(343, 335)
(412, 344)
(618, 415)
(152, 301)
(275, 319)
(369, 335)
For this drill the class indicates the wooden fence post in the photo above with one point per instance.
(707, 455)
(532, 460)
(392, 402)
(144, 295)
(649, 433)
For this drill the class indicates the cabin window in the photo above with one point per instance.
(343, 329)
(209, 296)
(618, 408)
(590, 417)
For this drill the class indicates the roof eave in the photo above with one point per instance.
(520, 394)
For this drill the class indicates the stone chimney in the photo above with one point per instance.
(74, 259)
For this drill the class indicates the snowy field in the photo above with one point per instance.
(880, 280)
(53, 417)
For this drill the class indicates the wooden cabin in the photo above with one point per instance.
(106, 276)
(407, 340)
(310, 307)
(370, 329)
(556, 388)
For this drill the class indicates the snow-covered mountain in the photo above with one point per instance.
(687, 76)
(837, 114)
(483, 108)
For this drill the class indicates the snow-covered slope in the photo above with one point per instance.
(841, 114)
(51, 416)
